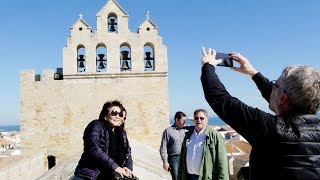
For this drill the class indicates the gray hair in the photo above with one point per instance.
(302, 84)
(201, 110)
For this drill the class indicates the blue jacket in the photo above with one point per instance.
(95, 162)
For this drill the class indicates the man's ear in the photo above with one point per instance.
(284, 99)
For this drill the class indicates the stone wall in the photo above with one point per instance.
(54, 113)
(27, 168)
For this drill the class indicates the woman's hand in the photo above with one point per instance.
(129, 172)
(122, 171)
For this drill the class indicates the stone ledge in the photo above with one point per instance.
(114, 75)
(147, 164)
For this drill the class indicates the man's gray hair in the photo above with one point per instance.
(201, 110)
(302, 84)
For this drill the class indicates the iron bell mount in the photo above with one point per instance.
(101, 61)
(112, 23)
(81, 60)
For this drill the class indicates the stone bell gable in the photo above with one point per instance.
(112, 48)
(112, 9)
(98, 65)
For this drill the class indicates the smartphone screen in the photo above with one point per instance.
(226, 60)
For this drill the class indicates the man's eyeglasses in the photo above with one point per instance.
(115, 113)
(197, 118)
(273, 83)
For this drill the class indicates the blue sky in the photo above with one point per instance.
(271, 34)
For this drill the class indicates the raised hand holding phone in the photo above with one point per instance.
(209, 57)
(227, 61)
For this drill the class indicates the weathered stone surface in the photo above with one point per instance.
(147, 164)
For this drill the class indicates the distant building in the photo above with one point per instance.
(6, 144)
(238, 153)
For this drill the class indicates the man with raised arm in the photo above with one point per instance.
(285, 145)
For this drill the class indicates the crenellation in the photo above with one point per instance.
(48, 75)
(26, 76)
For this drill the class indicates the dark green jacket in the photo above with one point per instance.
(214, 163)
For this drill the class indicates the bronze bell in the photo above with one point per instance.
(125, 65)
(148, 64)
(81, 65)
(112, 29)
(101, 65)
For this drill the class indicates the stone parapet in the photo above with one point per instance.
(147, 164)
(27, 168)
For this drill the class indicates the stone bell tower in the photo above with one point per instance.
(98, 65)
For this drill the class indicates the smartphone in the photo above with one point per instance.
(226, 60)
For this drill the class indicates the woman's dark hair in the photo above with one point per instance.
(179, 115)
(124, 117)
(106, 106)
(124, 110)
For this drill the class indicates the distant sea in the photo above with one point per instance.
(213, 121)
(10, 128)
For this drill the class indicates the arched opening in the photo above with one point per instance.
(149, 57)
(81, 62)
(112, 23)
(101, 58)
(125, 57)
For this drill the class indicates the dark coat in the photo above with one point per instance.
(286, 148)
(95, 162)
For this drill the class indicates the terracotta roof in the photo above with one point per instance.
(244, 157)
(5, 141)
(227, 128)
(245, 147)
(231, 149)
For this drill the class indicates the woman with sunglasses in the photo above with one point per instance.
(106, 147)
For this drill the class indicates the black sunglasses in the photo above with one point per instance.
(273, 83)
(114, 113)
(197, 118)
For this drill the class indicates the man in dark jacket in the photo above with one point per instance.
(285, 145)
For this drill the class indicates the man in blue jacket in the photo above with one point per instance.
(285, 145)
